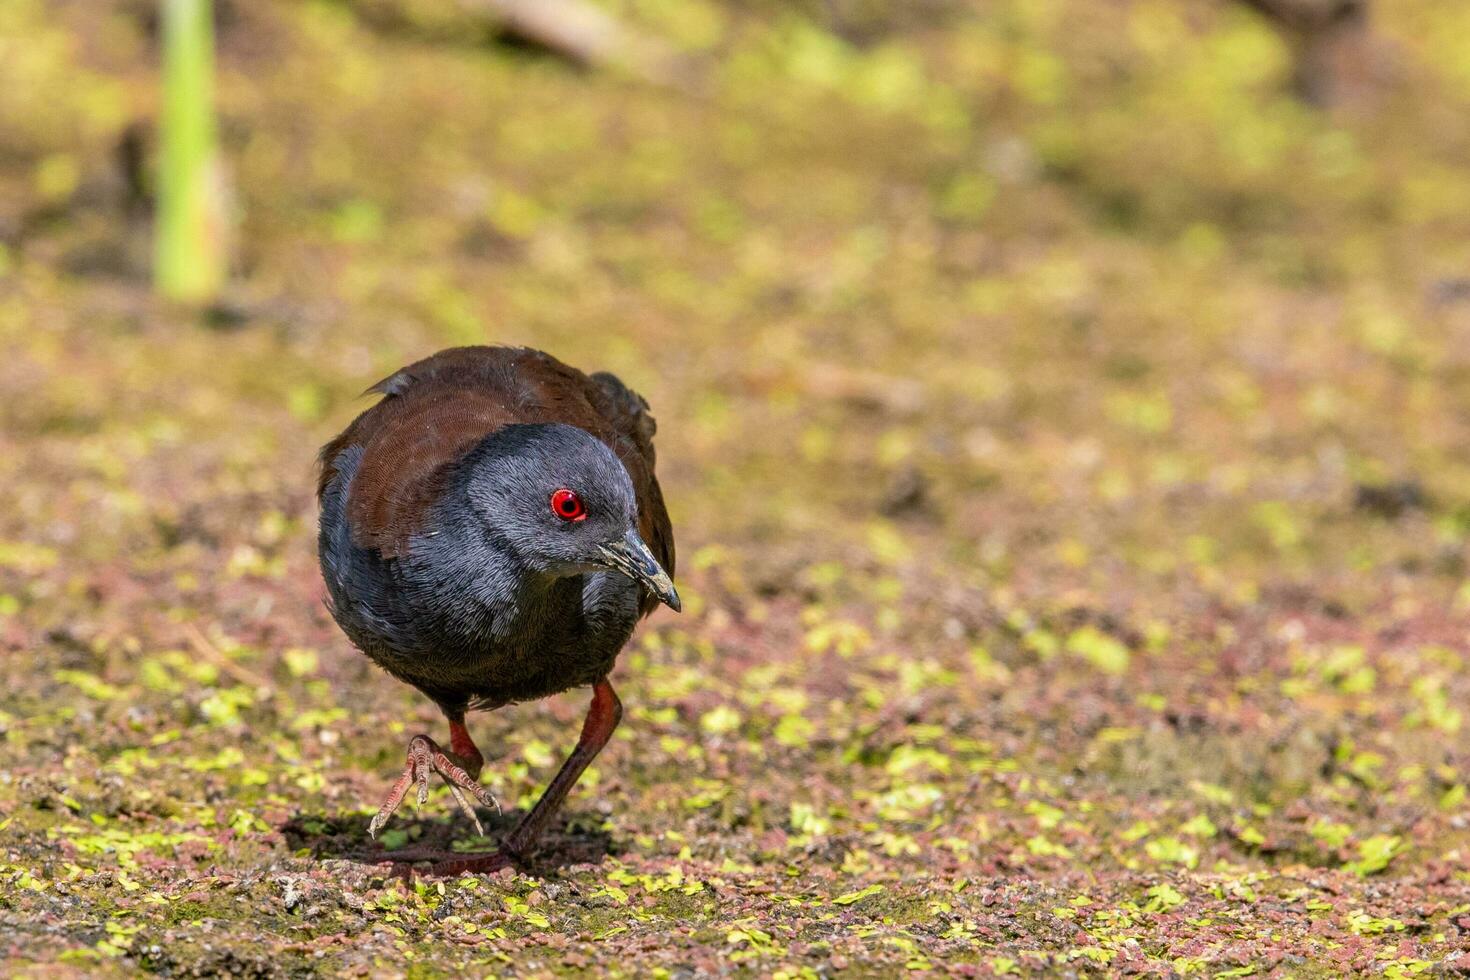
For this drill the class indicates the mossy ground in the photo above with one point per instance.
(1065, 432)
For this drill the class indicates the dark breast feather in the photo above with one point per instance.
(436, 410)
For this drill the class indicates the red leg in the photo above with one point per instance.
(464, 747)
(602, 718)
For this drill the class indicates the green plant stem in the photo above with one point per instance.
(190, 257)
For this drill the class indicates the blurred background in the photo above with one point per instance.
(1063, 412)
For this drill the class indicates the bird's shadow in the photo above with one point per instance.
(343, 836)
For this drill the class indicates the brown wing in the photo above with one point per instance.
(634, 427)
(436, 410)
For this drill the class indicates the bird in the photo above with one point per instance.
(491, 532)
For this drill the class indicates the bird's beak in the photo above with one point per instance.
(632, 557)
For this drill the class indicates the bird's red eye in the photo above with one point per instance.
(568, 506)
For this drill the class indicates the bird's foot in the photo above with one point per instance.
(425, 757)
(476, 864)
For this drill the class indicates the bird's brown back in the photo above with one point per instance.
(436, 410)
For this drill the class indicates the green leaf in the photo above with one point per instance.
(857, 896)
(1375, 853)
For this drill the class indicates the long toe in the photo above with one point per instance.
(455, 775)
(480, 864)
(392, 801)
(467, 809)
(421, 755)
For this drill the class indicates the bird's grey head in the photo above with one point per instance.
(559, 500)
